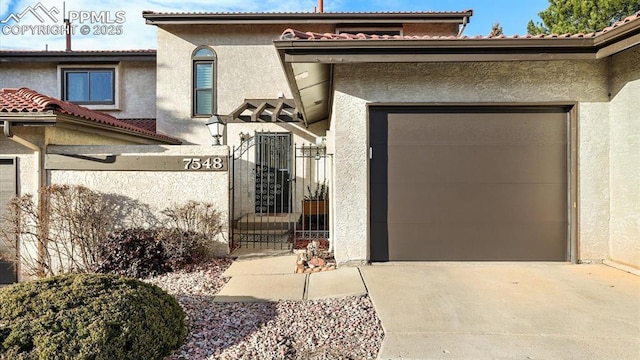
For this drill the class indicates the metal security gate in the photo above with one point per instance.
(313, 182)
(279, 192)
(261, 197)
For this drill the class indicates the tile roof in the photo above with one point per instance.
(25, 100)
(80, 52)
(147, 124)
(292, 34)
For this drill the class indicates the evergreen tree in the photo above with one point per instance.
(581, 16)
(496, 30)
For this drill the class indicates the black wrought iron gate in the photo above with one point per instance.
(279, 192)
(261, 196)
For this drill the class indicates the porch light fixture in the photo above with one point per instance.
(216, 127)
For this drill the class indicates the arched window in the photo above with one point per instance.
(204, 62)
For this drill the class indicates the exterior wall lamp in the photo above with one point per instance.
(216, 127)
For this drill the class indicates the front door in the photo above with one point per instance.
(273, 159)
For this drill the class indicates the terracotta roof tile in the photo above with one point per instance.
(25, 100)
(80, 52)
(147, 124)
(292, 34)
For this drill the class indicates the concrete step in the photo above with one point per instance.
(267, 222)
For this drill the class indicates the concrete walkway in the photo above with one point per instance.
(506, 311)
(269, 276)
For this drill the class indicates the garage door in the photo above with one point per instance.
(7, 192)
(469, 184)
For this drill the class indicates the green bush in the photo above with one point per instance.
(88, 316)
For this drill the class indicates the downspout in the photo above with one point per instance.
(465, 21)
(37, 153)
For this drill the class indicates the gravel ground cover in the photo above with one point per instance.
(345, 328)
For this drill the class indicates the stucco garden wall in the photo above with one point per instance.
(248, 67)
(581, 82)
(153, 190)
(625, 158)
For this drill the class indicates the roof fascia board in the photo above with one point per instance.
(618, 46)
(97, 58)
(436, 57)
(349, 51)
(618, 33)
(522, 43)
(29, 118)
(73, 123)
(305, 18)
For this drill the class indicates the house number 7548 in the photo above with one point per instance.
(208, 163)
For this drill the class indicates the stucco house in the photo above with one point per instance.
(443, 147)
(426, 144)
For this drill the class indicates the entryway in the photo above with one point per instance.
(278, 192)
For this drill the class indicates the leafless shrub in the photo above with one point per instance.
(188, 233)
(61, 234)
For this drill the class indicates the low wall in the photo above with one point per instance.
(150, 178)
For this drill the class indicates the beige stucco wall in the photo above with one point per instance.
(155, 190)
(248, 67)
(137, 85)
(27, 161)
(41, 77)
(582, 82)
(625, 158)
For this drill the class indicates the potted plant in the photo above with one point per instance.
(316, 202)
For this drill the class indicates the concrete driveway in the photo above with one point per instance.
(505, 311)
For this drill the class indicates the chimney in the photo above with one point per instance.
(320, 6)
(67, 24)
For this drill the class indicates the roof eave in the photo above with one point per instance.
(74, 57)
(73, 122)
(304, 18)
(430, 50)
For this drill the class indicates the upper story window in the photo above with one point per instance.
(204, 59)
(89, 86)
(370, 30)
(94, 86)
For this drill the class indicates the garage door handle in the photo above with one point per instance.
(370, 152)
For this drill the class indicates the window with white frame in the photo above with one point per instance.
(204, 61)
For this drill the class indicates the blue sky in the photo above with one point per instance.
(119, 25)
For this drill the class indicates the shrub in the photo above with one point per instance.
(189, 232)
(88, 316)
(63, 230)
(132, 252)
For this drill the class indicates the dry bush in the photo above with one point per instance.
(188, 233)
(61, 235)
